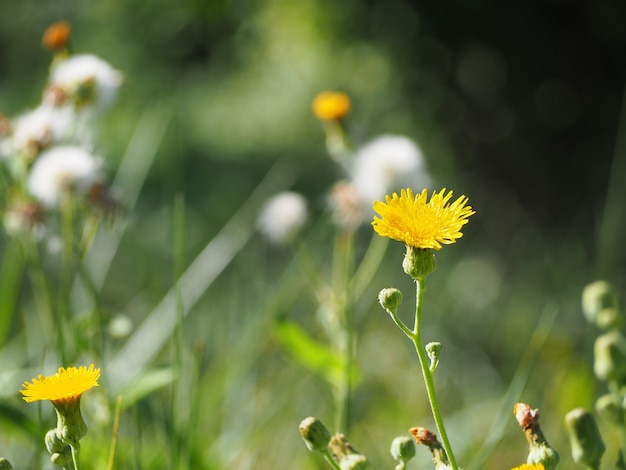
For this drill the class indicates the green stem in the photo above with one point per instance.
(343, 267)
(178, 414)
(428, 376)
(67, 238)
(329, 458)
(75, 459)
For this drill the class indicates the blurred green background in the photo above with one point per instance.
(518, 105)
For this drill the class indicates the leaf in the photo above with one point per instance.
(309, 353)
(147, 383)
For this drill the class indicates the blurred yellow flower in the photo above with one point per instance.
(420, 223)
(66, 385)
(535, 466)
(331, 105)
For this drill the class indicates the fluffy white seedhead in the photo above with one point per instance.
(41, 127)
(79, 72)
(283, 216)
(61, 169)
(387, 163)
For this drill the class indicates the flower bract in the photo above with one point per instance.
(65, 386)
(421, 223)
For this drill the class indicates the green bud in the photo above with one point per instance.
(402, 449)
(390, 298)
(419, 262)
(610, 409)
(5, 464)
(610, 357)
(433, 350)
(584, 436)
(60, 452)
(71, 426)
(544, 454)
(315, 435)
(599, 305)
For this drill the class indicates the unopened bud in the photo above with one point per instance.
(419, 262)
(390, 298)
(599, 305)
(433, 350)
(610, 409)
(584, 436)
(315, 435)
(610, 357)
(5, 464)
(402, 449)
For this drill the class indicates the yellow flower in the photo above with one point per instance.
(67, 385)
(535, 466)
(331, 105)
(420, 223)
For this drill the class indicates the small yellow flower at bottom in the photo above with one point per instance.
(420, 223)
(535, 466)
(67, 385)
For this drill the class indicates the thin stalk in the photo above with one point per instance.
(343, 266)
(329, 458)
(67, 239)
(41, 291)
(116, 428)
(178, 413)
(427, 374)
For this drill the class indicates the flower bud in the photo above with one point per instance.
(354, 462)
(610, 357)
(402, 449)
(390, 298)
(5, 464)
(610, 409)
(599, 305)
(331, 105)
(584, 436)
(345, 455)
(60, 452)
(543, 454)
(433, 350)
(314, 433)
(418, 262)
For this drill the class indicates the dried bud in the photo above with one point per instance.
(584, 436)
(56, 36)
(539, 451)
(345, 455)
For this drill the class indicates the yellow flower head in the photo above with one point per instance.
(420, 223)
(331, 105)
(534, 466)
(66, 385)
